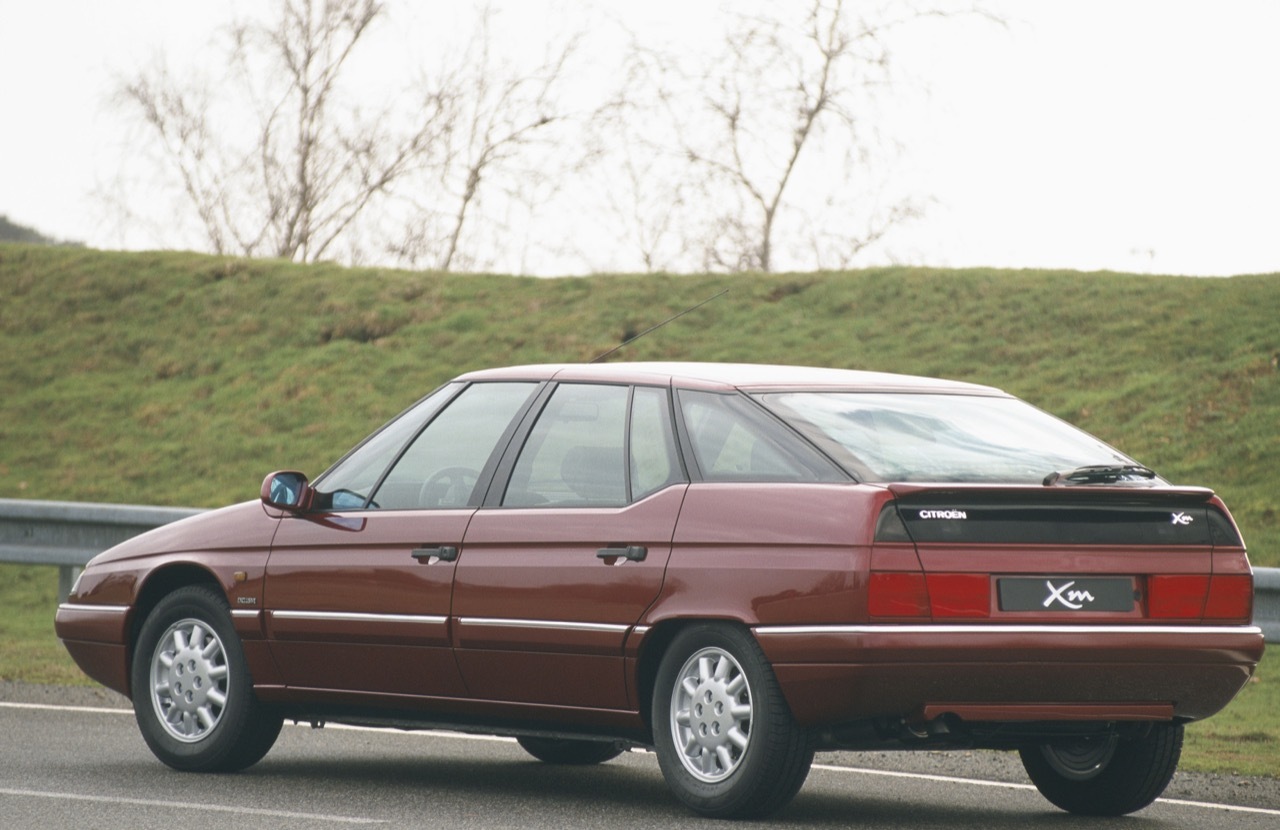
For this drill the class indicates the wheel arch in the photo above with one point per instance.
(655, 645)
(158, 584)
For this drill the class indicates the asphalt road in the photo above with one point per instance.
(75, 759)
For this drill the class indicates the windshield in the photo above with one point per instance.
(940, 438)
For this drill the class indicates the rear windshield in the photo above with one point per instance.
(881, 437)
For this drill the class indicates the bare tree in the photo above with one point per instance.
(759, 154)
(502, 121)
(311, 165)
(643, 198)
(779, 128)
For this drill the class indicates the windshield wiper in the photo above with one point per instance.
(1099, 474)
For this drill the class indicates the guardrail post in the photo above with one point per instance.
(1266, 602)
(67, 575)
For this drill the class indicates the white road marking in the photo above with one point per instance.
(918, 776)
(440, 733)
(93, 710)
(978, 782)
(921, 776)
(169, 804)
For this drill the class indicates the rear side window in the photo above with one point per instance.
(734, 440)
(576, 453)
(652, 446)
(596, 446)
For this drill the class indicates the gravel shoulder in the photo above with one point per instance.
(1239, 790)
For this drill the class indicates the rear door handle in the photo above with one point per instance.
(634, 553)
(443, 553)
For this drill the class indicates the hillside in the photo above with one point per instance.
(174, 378)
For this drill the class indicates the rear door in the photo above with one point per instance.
(570, 549)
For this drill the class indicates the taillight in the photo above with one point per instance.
(1230, 598)
(897, 594)
(1176, 596)
(910, 594)
(960, 595)
(1220, 598)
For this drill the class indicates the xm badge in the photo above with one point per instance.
(1182, 519)
(1074, 600)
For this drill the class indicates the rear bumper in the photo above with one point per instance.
(839, 673)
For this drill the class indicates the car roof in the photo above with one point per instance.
(726, 376)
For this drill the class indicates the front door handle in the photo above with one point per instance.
(443, 553)
(634, 553)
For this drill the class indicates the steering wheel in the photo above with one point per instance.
(450, 487)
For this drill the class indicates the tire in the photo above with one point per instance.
(725, 738)
(192, 693)
(1105, 777)
(569, 750)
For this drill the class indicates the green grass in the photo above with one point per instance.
(1244, 738)
(181, 379)
(30, 653)
(175, 378)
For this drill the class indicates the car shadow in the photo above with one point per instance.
(633, 787)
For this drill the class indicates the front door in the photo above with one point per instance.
(358, 591)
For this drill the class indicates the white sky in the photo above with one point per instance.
(1132, 135)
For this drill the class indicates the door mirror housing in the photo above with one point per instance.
(287, 490)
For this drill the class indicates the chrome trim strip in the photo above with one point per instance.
(353, 616)
(99, 609)
(245, 613)
(571, 626)
(641, 630)
(995, 628)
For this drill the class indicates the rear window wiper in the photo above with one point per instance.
(1099, 474)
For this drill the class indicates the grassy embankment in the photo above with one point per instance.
(181, 379)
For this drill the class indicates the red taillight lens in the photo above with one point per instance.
(960, 595)
(1176, 596)
(1230, 598)
(896, 594)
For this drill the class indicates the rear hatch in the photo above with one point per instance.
(1063, 555)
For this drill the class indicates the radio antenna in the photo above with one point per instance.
(631, 340)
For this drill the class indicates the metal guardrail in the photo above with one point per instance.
(1266, 602)
(69, 534)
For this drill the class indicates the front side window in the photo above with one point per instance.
(348, 485)
(883, 437)
(441, 467)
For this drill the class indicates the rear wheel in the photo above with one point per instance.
(725, 738)
(192, 694)
(569, 750)
(1109, 776)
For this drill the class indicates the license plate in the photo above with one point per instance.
(1066, 593)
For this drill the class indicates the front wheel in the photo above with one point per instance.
(192, 694)
(1110, 776)
(725, 738)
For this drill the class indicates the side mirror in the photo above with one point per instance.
(287, 490)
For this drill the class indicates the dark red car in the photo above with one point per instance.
(734, 565)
